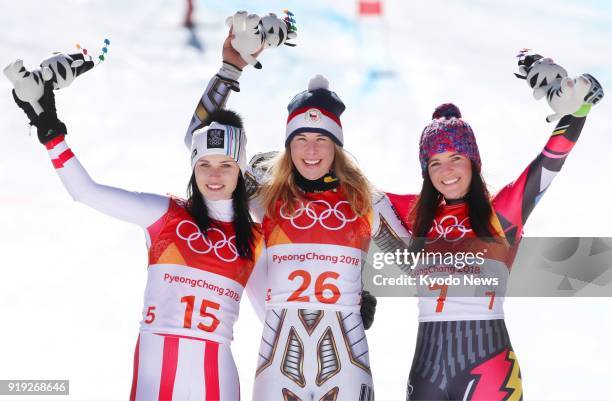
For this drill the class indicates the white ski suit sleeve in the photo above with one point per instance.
(257, 286)
(139, 208)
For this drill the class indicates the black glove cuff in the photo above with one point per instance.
(50, 130)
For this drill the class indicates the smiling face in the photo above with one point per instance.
(312, 154)
(450, 173)
(216, 176)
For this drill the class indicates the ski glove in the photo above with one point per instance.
(368, 309)
(47, 124)
(33, 90)
(252, 33)
(564, 95)
(33, 93)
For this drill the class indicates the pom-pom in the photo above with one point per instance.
(318, 82)
(224, 117)
(446, 110)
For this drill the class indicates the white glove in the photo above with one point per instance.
(29, 85)
(564, 95)
(252, 34)
(276, 31)
(569, 96)
(60, 68)
(247, 35)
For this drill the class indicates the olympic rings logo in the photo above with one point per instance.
(202, 245)
(452, 232)
(308, 213)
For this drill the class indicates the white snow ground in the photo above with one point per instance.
(72, 280)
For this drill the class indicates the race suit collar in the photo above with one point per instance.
(325, 183)
(453, 202)
(221, 210)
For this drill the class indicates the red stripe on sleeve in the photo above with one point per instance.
(56, 163)
(559, 144)
(62, 158)
(53, 142)
(65, 156)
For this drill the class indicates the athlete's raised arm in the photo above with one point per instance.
(515, 202)
(138, 208)
(219, 87)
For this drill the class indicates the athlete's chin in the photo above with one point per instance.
(453, 191)
(216, 195)
(456, 194)
(312, 174)
(314, 177)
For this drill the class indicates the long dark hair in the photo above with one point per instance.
(478, 203)
(243, 223)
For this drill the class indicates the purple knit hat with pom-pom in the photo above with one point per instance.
(447, 132)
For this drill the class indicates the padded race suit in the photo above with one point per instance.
(193, 290)
(314, 345)
(463, 349)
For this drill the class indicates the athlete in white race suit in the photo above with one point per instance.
(313, 346)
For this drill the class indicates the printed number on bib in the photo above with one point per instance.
(444, 289)
(150, 315)
(440, 302)
(321, 287)
(492, 295)
(189, 301)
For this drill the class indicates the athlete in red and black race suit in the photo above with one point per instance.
(463, 350)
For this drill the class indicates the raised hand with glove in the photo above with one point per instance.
(33, 93)
(251, 33)
(33, 90)
(565, 95)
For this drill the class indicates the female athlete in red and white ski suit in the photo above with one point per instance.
(193, 291)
